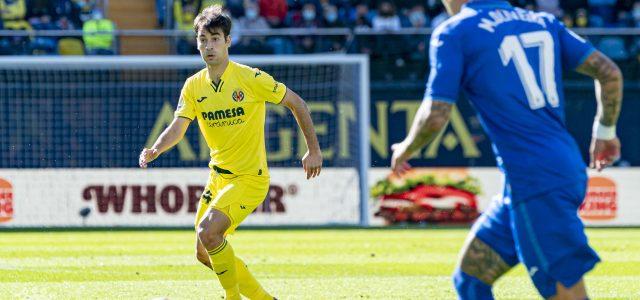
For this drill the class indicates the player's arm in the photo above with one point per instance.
(447, 61)
(431, 118)
(184, 114)
(312, 160)
(605, 146)
(580, 55)
(169, 138)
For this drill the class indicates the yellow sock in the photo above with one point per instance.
(223, 261)
(249, 286)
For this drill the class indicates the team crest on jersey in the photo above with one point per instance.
(238, 95)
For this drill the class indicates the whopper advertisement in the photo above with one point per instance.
(169, 197)
(456, 196)
(165, 197)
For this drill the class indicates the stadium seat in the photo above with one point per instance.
(70, 46)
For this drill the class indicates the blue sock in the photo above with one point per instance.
(470, 288)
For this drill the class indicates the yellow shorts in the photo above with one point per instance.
(237, 196)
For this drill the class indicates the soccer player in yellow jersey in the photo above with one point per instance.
(228, 100)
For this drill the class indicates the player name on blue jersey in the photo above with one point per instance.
(499, 16)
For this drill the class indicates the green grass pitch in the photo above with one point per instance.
(291, 264)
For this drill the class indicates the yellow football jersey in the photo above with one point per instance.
(231, 115)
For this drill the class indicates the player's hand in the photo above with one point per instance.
(312, 164)
(399, 164)
(147, 156)
(603, 153)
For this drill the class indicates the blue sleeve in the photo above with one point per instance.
(446, 60)
(574, 49)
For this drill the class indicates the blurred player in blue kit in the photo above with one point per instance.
(509, 62)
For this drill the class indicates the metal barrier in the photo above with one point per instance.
(633, 31)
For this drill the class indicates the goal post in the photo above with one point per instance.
(72, 127)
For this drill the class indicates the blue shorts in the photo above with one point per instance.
(545, 233)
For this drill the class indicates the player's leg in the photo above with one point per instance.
(577, 292)
(254, 190)
(488, 253)
(205, 199)
(202, 255)
(211, 233)
(249, 286)
(237, 197)
(552, 243)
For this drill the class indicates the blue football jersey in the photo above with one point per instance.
(508, 62)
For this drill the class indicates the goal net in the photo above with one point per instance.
(71, 130)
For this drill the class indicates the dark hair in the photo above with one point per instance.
(213, 17)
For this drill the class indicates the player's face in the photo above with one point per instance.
(213, 46)
(453, 6)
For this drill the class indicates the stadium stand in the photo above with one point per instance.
(265, 27)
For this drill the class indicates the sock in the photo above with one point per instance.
(223, 261)
(469, 287)
(249, 286)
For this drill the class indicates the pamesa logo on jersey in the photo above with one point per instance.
(238, 95)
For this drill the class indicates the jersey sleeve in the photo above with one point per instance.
(573, 48)
(266, 88)
(186, 105)
(446, 61)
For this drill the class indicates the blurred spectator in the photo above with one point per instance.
(184, 12)
(567, 20)
(275, 17)
(582, 18)
(14, 14)
(624, 19)
(73, 11)
(360, 18)
(69, 10)
(86, 8)
(635, 14)
(604, 9)
(251, 21)
(44, 44)
(275, 11)
(343, 7)
(307, 45)
(418, 43)
(571, 6)
(252, 18)
(550, 6)
(417, 17)
(307, 18)
(360, 21)
(331, 20)
(98, 35)
(235, 7)
(386, 19)
(64, 24)
(14, 18)
(38, 8)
